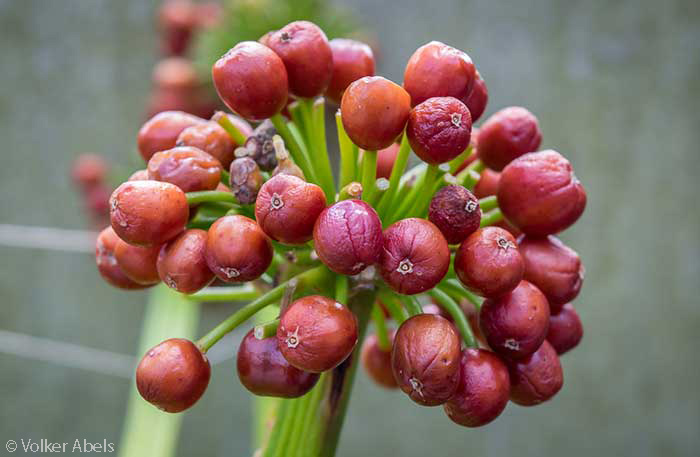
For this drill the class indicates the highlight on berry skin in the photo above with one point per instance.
(430, 256)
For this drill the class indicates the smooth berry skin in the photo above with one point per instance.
(425, 359)
(237, 249)
(173, 375)
(487, 184)
(251, 80)
(160, 133)
(374, 111)
(565, 329)
(439, 129)
(385, 160)
(148, 213)
(478, 98)
(182, 263)
(540, 195)
(456, 212)
(107, 263)
(536, 378)
(264, 371)
(211, 138)
(307, 56)
(483, 390)
(415, 256)
(189, 168)
(352, 60)
(377, 362)
(138, 263)
(348, 237)
(553, 267)
(316, 333)
(287, 208)
(139, 175)
(515, 324)
(439, 70)
(488, 262)
(507, 135)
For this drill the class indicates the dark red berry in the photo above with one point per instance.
(264, 371)
(565, 329)
(487, 184)
(377, 362)
(506, 135)
(182, 263)
(352, 60)
(536, 378)
(415, 256)
(138, 263)
(107, 263)
(385, 160)
(439, 129)
(160, 133)
(478, 98)
(455, 211)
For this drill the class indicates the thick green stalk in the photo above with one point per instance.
(244, 292)
(386, 205)
(295, 144)
(460, 159)
(394, 306)
(455, 289)
(412, 304)
(451, 306)
(492, 217)
(325, 171)
(231, 129)
(266, 329)
(348, 154)
(488, 203)
(369, 175)
(203, 196)
(380, 325)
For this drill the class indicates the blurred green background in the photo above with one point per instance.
(616, 87)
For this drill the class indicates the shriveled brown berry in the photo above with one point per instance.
(182, 263)
(483, 390)
(187, 167)
(425, 359)
(456, 212)
(439, 129)
(348, 236)
(515, 324)
(553, 267)
(352, 60)
(415, 256)
(540, 194)
(251, 79)
(536, 378)
(316, 333)
(439, 70)
(374, 111)
(173, 375)
(478, 98)
(260, 146)
(107, 263)
(287, 208)
(138, 263)
(161, 131)
(89, 170)
(487, 184)
(237, 249)
(307, 56)
(148, 213)
(211, 138)
(377, 362)
(506, 135)
(565, 329)
(264, 371)
(488, 262)
(245, 180)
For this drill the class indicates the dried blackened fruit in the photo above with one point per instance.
(245, 180)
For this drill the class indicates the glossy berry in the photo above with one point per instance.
(515, 324)
(553, 267)
(182, 263)
(425, 359)
(439, 70)
(348, 236)
(107, 263)
(478, 98)
(540, 194)
(439, 129)
(316, 333)
(187, 167)
(173, 375)
(487, 184)
(160, 133)
(138, 263)
(483, 390)
(377, 362)
(251, 79)
(506, 135)
(147, 213)
(456, 212)
(237, 249)
(536, 378)
(211, 138)
(307, 56)
(287, 208)
(264, 371)
(565, 329)
(488, 262)
(352, 60)
(415, 256)
(374, 112)
(385, 160)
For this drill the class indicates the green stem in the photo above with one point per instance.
(460, 159)
(325, 172)
(224, 121)
(348, 153)
(470, 175)
(412, 305)
(310, 432)
(351, 190)
(232, 293)
(460, 320)
(387, 202)
(295, 144)
(488, 203)
(394, 306)
(455, 289)
(266, 330)
(369, 175)
(492, 217)
(380, 324)
(203, 196)
(341, 289)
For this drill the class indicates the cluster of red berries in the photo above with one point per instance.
(445, 248)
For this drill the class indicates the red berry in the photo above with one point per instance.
(455, 211)
(89, 170)
(487, 184)
(536, 378)
(352, 60)
(565, 329)
(189, 168)
(138, 263)
(377, 362)
(211, 138)
(182, 263)
(107, 263)
(439, 129)
(385, 160)
(506, 135)
(161, 131)
(478, 98)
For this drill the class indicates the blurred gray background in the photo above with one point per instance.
(616, 87)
